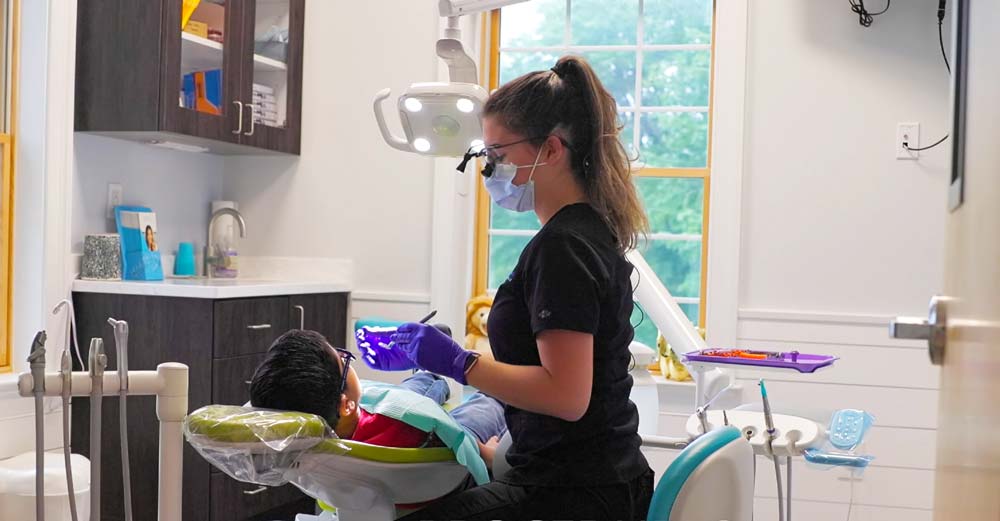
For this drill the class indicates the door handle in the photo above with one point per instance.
(934, 329)
(253, 122)
(255, 491)
(239, 129)
(302, 316)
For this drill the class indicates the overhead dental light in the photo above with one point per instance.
(442, 118)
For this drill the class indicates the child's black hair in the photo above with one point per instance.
(299, 374)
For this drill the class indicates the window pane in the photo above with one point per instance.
(676, 78)
(616, 69)
(646, 330)
(627, 134)
(674, 139)
(677, 263)
(604, 22)
(677, 21)
(533, 24)
(673, 204)
(516, 63)
(503, 219)
(504, 252)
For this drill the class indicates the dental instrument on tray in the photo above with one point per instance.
(121, 351)
(66, 373)
(36, 362)
(801, 362)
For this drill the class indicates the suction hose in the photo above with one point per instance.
(66, 371)
(121, 349)
(36, 361)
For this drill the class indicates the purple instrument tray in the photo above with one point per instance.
(803, 362)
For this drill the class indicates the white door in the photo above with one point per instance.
(968, 344)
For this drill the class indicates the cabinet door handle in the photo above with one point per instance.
(253, 122)
(255, 491)
(239, 129)
(248, 382)
(259, 326)
(302, 316)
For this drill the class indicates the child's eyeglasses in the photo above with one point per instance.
(346, 356)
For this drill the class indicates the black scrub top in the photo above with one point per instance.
(571, 276)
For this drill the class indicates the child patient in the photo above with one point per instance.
(303, 372)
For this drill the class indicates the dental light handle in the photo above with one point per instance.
(121, 350)
(36, 362)
(394, 141)
(66, 375)
(96, 361)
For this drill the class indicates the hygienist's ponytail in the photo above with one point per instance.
(570, 101)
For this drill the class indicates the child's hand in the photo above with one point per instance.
(488, 450)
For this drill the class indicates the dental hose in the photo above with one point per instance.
(769, 423)
(36, 361)
(97, 361)
(121, 348)
(66, 371)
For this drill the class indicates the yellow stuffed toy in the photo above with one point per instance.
(670, 361)
(477, 312)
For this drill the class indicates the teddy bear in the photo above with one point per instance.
(477, 312)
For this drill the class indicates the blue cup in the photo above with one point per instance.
(184, 262)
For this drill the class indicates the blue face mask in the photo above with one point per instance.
(503, 191)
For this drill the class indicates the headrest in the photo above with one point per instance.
(261, 445)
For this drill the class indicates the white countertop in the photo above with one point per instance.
(210, 288)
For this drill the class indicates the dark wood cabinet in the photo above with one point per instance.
(132, 59)
(222, 342)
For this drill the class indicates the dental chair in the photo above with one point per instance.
(364, 482)
(711, 479)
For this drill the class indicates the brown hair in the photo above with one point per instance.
(570, 101)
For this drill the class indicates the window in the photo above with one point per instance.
(655, 57)
(8, 45)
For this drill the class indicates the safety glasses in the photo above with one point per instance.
(492, 155)
(346, 357)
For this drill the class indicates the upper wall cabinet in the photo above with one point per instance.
(223, 76)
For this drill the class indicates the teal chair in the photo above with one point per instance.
(711, 479)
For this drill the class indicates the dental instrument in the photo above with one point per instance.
(429, 316)
(66, 371)
(36, 361)
(769, 422)
(169, 383)
(97, 361)
(121, 350)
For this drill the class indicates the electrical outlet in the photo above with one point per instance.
(908, 133)
(114, 198)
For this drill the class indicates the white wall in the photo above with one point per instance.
(349, 195)
(178, 186)
(831, 220)
(838, 236)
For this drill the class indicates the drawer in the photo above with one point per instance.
(248, 326)
(231, 378)
(233, 500)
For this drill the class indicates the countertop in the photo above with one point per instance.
(210, 288)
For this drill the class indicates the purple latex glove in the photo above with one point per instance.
(378, 352)
(432, 350)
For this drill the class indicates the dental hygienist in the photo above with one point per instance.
(559, 327)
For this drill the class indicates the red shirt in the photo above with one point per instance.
(387, 432)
